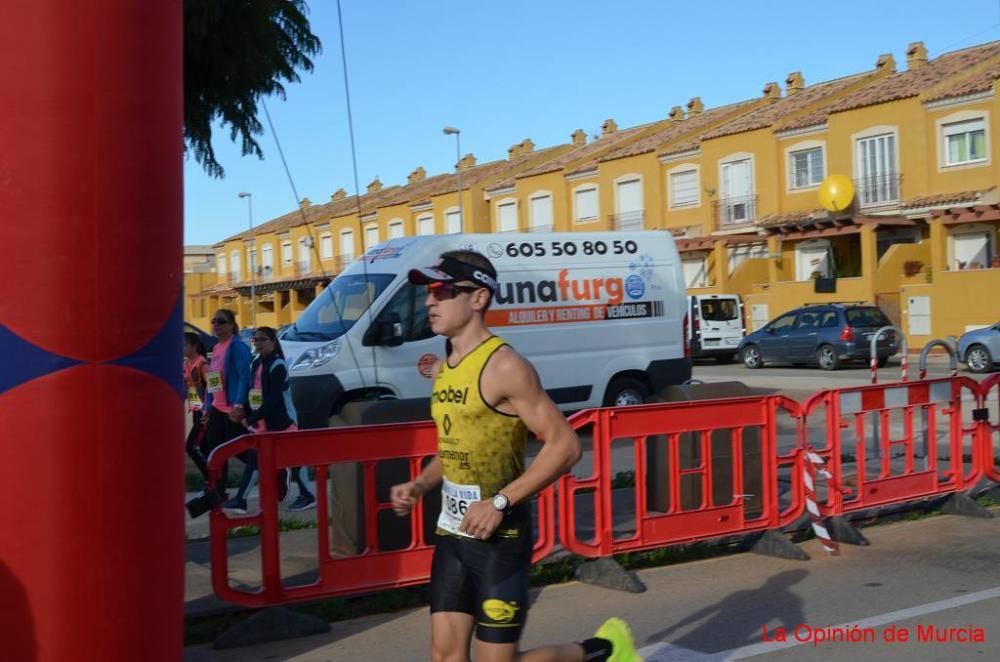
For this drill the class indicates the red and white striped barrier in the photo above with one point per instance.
(813, 466)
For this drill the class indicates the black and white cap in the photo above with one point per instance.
(450, 270)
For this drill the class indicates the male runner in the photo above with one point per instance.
(486, 398)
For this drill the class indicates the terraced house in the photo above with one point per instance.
(737, 186)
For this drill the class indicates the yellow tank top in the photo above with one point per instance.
(477, 444)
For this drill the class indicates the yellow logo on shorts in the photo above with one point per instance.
(500, 611)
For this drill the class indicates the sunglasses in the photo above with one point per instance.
(219, 320)
(446, 291)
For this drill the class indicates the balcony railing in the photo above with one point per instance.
(877, 190)
(303, 267)
(628, 220)
(736, 210)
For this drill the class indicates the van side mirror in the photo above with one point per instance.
(386, 330)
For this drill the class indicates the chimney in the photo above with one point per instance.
(676, 113)
(579, 138)
(418, 175)
(467, 161)
(527, 146)
(772, 92)
(305, 204)
(916, 55)
(794, 83)
(375, 186)
(695, 106)
(341, 194)
(514, 151)
(608, 126)
(886, 62)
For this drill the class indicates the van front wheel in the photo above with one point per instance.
(625, 391)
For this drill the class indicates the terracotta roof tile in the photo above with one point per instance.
(980, 82)
(554, 152)
(674, 130)
(772, 113)
(585, 156)
(687, 138)
(942, 199)
(913, 82)
(774, 220)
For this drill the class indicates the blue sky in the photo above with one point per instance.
(505, 71)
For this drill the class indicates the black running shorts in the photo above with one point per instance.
(485, 578)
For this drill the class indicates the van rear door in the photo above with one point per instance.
(721, 321)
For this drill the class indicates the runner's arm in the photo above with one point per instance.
(522, 390)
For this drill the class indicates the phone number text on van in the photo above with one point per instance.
(563, 248)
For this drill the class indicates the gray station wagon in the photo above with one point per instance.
(824, 335)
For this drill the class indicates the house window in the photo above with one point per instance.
(740, 253)
(585, 205)
(326, 246)
(507, 217)
(286, 252)
(425, 225)
(684, 188)
(738, 202)
(694, 271)
(253, 266)
(628, 200)
(305, 255)
(395, 229)
(346, 246)
(541, 213)
(267, 258)
(453, 221)
(965, 142)
(220, 262)
(371, 236)
(806, 167)
(878, 184)
(234, 265)
(971, 248)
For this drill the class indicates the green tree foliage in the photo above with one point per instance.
(235, 52)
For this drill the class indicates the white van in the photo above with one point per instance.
(715, 326)
(600, 314)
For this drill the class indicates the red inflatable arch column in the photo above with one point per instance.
(91, 429)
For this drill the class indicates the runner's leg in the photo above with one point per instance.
(451, 633)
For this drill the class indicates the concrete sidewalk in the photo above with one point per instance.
(941, 571)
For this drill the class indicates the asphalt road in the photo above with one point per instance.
(939, 573)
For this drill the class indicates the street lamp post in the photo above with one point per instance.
(253, 262)
(448, 131)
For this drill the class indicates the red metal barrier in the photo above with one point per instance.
(860, 429)
(372, 570)
(705, 420)
(990, 421)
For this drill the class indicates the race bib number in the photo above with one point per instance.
(455, 500)
(256, 398)
(214, 381)
(194, 402)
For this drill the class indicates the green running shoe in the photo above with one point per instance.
(618, 633)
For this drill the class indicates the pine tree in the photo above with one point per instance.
(235, 52)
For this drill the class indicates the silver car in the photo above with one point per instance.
(980, 349)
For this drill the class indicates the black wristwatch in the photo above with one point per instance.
(501, 503)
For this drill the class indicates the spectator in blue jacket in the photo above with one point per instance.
(269, 408)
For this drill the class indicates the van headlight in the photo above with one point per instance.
(314, 358)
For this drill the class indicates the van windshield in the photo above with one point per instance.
(719, 310)
(337, 308)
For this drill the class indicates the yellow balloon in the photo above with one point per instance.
(836, 193)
